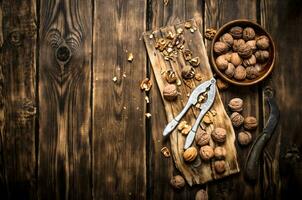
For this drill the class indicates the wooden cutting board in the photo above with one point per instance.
(199, 171)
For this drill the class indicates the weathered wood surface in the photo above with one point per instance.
(119, 138)
(18, 99)
(61, 150)
(64, 165)
(194, 173)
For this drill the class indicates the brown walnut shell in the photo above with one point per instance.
(206, 152)
(262, 42)
(228, 39)
(251, 72)
(236, 104)
(221, 62)
(250, 61)
(219, 152)
(244, 138)
(177, 182)
(236, 119)
(240, 73)
(235, 59)
(245, 51)
(250, 123)
(237, 44)
(219, 166)
(248, 33)
(236, 32)
(219, 135)
(230, 71)
(202, 138)
(252, 44)
(262, 56)
(220, 48)
(190, 154)
(170, 92)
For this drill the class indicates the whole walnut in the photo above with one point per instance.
(236, 104)
(250, 123)
(251, 72)
(201, 195)
(206, 152)
(236, 119)
(235, 59)
(170, 76)
(252, 44)
(220, 48)
(245, 51)
(219, 135)
(188, 72)
(219, 166)
(229, 72)
(227, 56)
(190, 154)
(240, 73)
(244, 138)
(221, 62)
(248, 33)
(227, 38)
(202, 138)
(219, 152)
(170, 92)
(236, 32)
(250, 61)
(259, 67)
(237, 44)
(262, 42)
(177, 182)
(262, 56)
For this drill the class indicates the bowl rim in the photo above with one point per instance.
(225, 78)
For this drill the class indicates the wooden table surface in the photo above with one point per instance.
(68, 131)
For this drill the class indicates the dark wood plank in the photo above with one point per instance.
(163, 169)
(282, 165)
(64, 97)
(218, 13)
(119, 136)
(17, 99)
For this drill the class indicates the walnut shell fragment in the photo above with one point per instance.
(166, 152)
(146, 84)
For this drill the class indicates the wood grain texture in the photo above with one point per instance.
(17, 99)
(282, 159)
(119, 136)
(218, 13)
(64, 100)
(163, 169)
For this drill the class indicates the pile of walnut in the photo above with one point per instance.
(172, 46)
(241, 53)
(249, 123)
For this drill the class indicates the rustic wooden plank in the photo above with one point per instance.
(64, 96)
(163, 169)
(281, 161)
(119, 137)
(216, 14)
(17, 99)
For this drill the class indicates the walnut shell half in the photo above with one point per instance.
(190, 154)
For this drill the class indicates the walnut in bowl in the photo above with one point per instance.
(247, 45)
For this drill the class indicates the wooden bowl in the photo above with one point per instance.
(259, 31)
